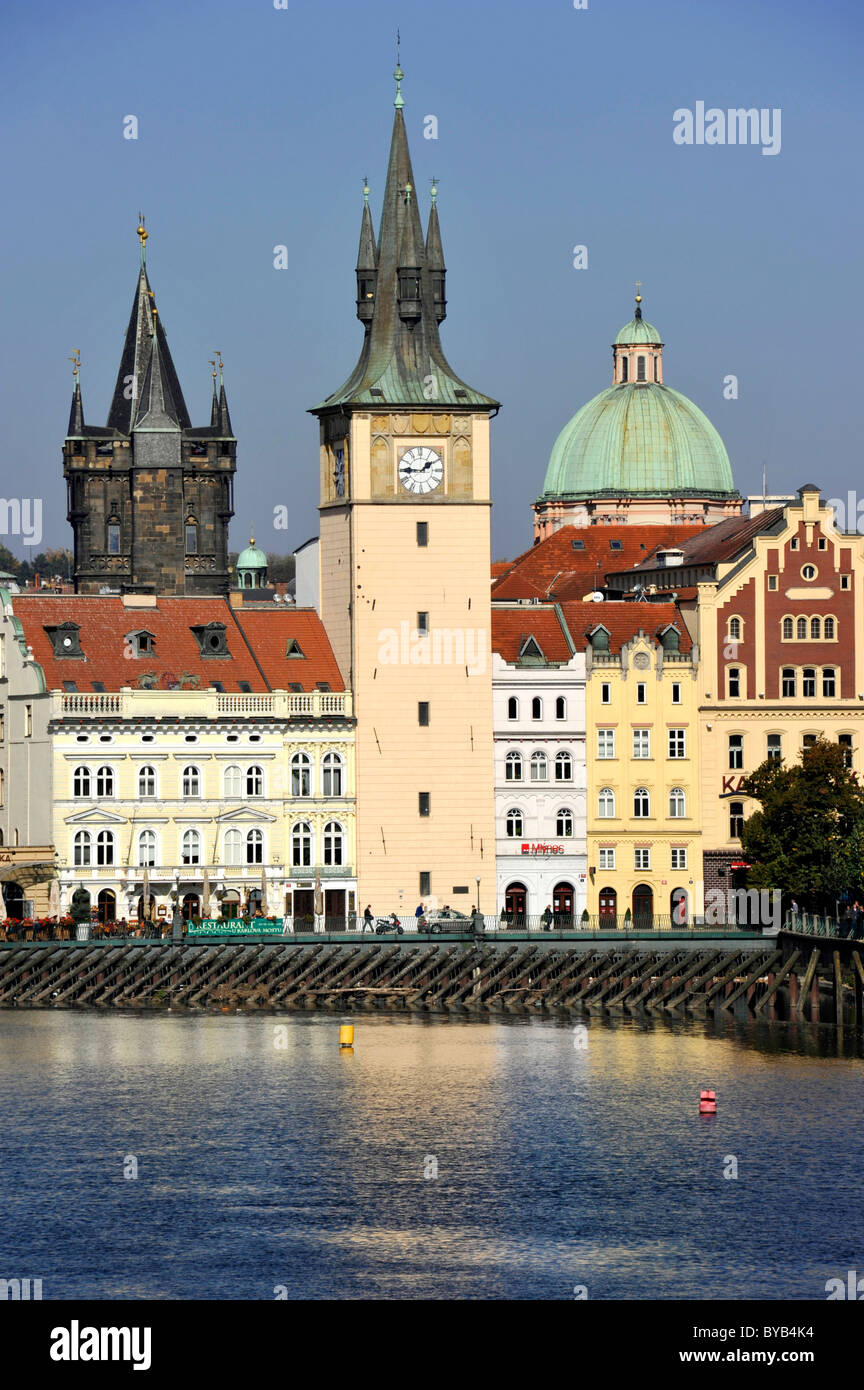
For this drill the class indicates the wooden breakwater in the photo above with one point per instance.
(781, 976)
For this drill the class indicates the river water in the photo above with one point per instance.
(440, 1159)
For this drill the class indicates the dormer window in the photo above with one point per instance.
(293, 648)
(600, 639)
(141, 643)
(212, 639)
(670, 639)
(65, 640)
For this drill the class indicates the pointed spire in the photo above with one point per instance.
(136, 356)
(214, 406)
(156, 408)
(223, 419)
(398, 100)
(367, 262)
(76, 413)
(435, 258)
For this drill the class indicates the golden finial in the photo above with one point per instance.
(76, 363)
(638, 291)
(221, 365)
(213, 365)
(142, 237)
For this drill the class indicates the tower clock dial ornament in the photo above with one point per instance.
(421, 469)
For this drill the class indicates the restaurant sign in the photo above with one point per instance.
(541, 849)
(236, 926)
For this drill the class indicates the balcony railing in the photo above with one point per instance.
(201, 704)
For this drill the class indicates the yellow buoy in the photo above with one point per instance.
(346, 1035)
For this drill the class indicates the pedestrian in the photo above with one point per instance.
(477, 920)
(546, 919)
(367, 918)
(419, 911)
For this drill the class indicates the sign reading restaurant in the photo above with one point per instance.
(235, 926)
(542, 849)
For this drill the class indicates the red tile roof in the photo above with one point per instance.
(554, 569)
(513, 625)
(623, 620)
(718, 543)
(105, 624)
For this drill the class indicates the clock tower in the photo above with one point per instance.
(405, 570)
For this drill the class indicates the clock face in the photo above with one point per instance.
(339, 472)
(421, 469)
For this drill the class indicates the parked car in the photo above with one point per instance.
(439, 922)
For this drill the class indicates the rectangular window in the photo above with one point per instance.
(641, 743)
(679, 859)
(793, 544)
(734, 682)
(422, 532)
(788, 681)
(113, 540)
(736, 750)
(809, 740)
(641, 859)
(422, 622)
(823, 544)
(845, 581)
(28, 721)
(808, 683)
(677, 743)
(736, 819)
(845, 741)
(424, 800)
(775, 747)
(423, 713)
(605, 693)
(606, 858)
(772, 582)
(641, 693)
(829, 682)
(605, 743)
(425, 883)
(192, 540)
(676, 692)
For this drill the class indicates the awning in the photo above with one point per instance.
(28, 874)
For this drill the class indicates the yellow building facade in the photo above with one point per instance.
(642, 748)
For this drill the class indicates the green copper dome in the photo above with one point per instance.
(639, 439)
(252, 558)
(638, 331)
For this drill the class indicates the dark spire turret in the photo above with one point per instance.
(367, 263)
(435, 259)
(410, 260)
(76, 413)
(156, 407)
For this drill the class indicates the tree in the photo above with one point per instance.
(808, 837)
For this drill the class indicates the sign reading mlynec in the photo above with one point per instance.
(542, 849)
(235, 926)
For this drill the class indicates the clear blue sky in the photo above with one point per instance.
(256, 127)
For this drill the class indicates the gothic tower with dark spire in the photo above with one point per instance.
(404, 569)
(149, 496)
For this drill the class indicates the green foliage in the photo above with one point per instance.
(808, 838)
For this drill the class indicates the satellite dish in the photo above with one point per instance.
(597, 597)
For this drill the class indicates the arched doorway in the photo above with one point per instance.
(106, 905)
(608, 905)
(678, 907)
(191, 906)
(516, 904)
(13, 896)
(231, 903)
(562, 905)
(643, 905)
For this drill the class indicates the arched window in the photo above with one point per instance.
(191, 847)
(563, 767)
(789, 681)
(233, 844)
(641, 802)
(815, 629)
(107, 905)
(254, 781)
(105, 847)
(560, 708)
(301, 845)
(113, 538)
(564, 823)
(656, 360)
(828, 631)
(147, 849)
(233, 781)
(788, 629)
(301, 775)
(513, 767)
(625, 368)
(677, 803)
(514, 823)
(191, 781)
(254, 847)
(735, 629)
(606, 803)
(82, 848)
(536, 708)
(147, 781)
(736, 819)
(808, 683)
(539, 767)
(81, 781)
(105, 782)
(334, 843)
(829, 682)
(332, 774)
(802, 629)
(512, 708)
(191, 536)
(640, 368)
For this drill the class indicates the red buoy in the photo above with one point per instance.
(707, 1102)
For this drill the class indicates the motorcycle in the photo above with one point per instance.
(383, 925)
